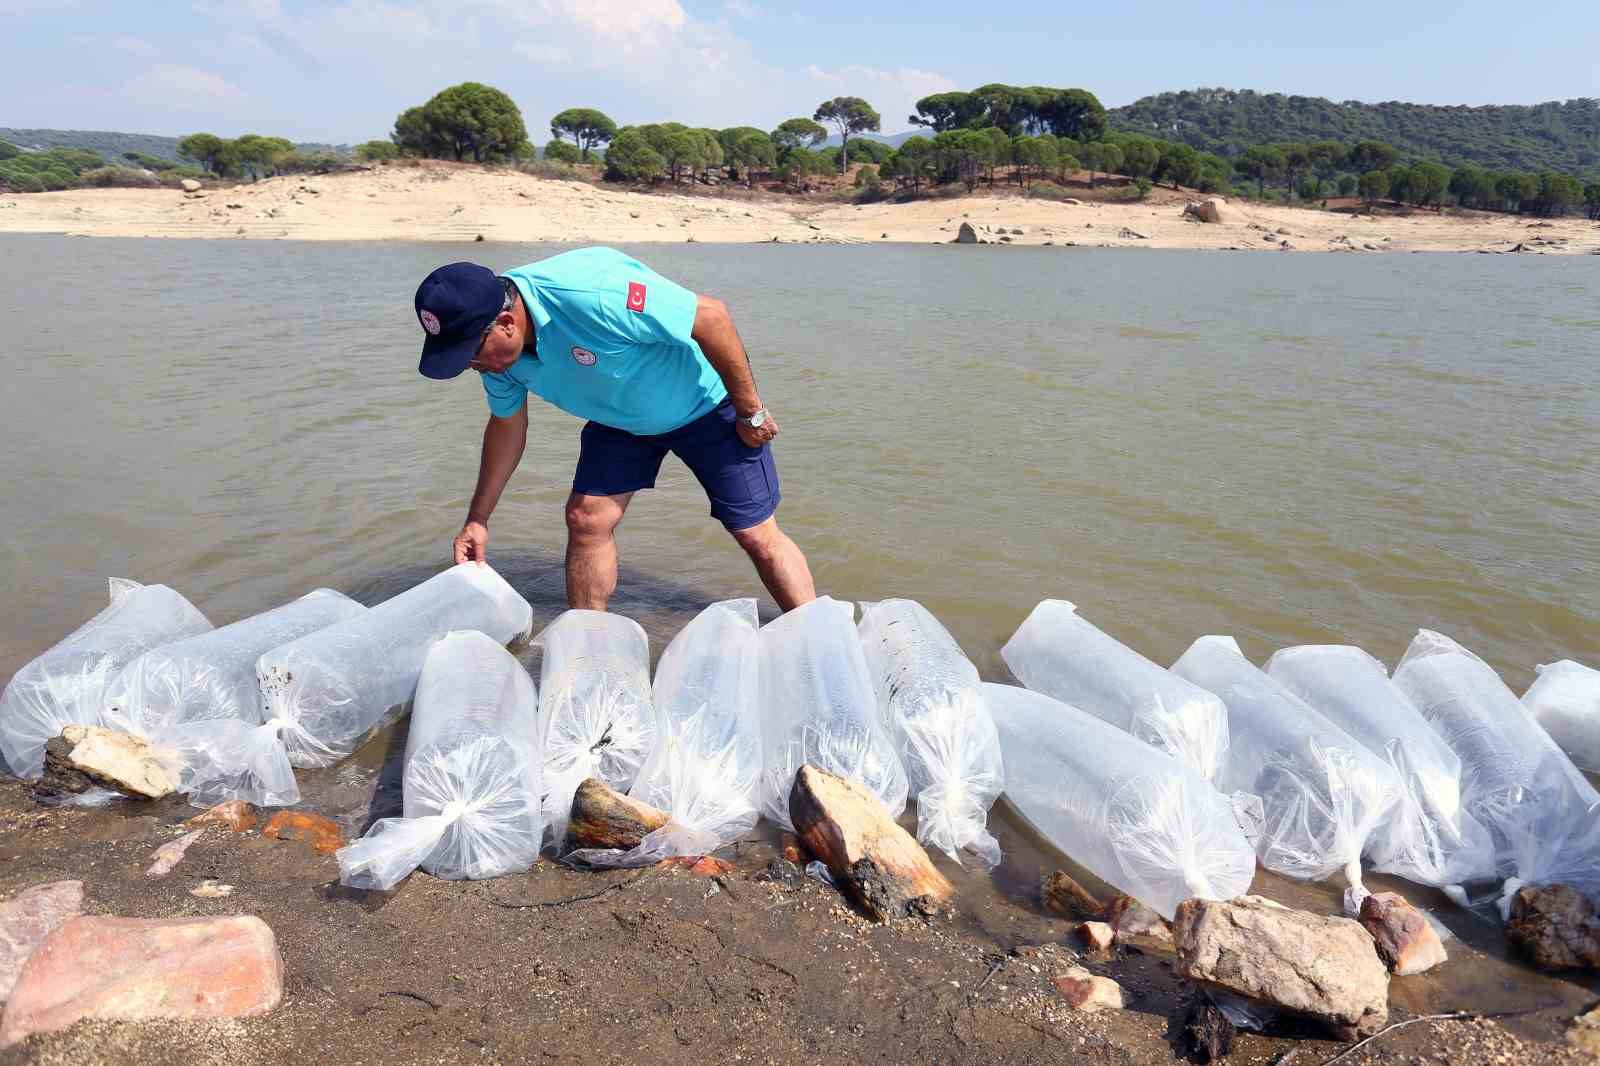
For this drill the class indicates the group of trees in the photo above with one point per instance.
(464, 120)
(251, 156)
(70, 168)
(1559, 137)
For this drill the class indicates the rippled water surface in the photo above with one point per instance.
(1289, 448)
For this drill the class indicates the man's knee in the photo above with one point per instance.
(761, 542)
(592, 517)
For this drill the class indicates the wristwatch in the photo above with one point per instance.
(756, 419)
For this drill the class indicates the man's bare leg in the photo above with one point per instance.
(592, 548)
(779, 561)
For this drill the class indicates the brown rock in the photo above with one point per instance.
(1207, 1034)
(1136, 925)
(237, 815)
(1406, 943)
(871, 858)
(701, 865)
(27, 918)
(966, 234)
(793, 851)
(1087, 992)
(1208, 210)
(1096, 936)
(89, 755)
(323, 834)
(605, 818)
(1555, 926)
(170, 854)
(138, 968)
(1584, 1032)
(1060, 894)
(1313, 966)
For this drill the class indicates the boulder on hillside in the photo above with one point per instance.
(966, 234)
(1211, 209)
(190, 185)
(1316, 967)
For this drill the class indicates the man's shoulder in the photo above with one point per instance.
(582, 269)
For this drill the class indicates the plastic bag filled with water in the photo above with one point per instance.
(67, 684)
(1430, 838)
(1058, 653)
(1323, 794)
(326, 691)
(818, 707)
(931, 701)
(1515, 780)
(473, 796)
(1565, 700)
(705, 767)
(200, 697)
(1139, 820)
(596, 715)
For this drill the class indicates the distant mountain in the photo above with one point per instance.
(110, 146)
(1552, 136)
(893, 140)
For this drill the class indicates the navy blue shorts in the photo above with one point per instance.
(740, 481)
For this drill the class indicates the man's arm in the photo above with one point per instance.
(503, 442)
(714, 332)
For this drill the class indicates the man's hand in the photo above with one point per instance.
(472, 543)
(759, 435)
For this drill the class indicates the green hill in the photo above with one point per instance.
(1551, 136)
(110, 146)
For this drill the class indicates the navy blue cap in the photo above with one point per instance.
(455, 304)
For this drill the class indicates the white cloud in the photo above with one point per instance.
(892, 93)
(190, 88)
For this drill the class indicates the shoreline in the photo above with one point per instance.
(443, 202)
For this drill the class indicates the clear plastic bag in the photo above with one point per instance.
(596, 715)
(473, 796)
(1430, 838)
(1515, 780)
(1140, 820)
(705, 770)
(930, 699)
(818, 708)
(67, 684)
(1058, 653)
(326, 691)
(199, 697)
(1323, 794)
(1565, 700)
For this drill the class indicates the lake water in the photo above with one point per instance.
(1288, 448)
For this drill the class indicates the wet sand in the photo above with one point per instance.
(659, 965)
(453, 202)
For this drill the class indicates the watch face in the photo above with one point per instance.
(757, 420)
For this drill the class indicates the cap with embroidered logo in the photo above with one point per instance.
(454, 305)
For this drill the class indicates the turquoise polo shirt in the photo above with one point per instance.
(613, 345)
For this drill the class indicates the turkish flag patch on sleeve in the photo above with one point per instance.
(635, 296)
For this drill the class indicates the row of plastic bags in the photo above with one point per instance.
(1439, 775)
(734, 712)
(299, 685)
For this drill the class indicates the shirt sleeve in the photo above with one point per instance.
(505, 396)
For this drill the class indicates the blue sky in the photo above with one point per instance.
(341, 70)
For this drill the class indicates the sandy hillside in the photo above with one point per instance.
(450, 202)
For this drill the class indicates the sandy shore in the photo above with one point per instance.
(444, 202)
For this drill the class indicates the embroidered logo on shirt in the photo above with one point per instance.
(635, 296)
(430, 322)
(583, 355)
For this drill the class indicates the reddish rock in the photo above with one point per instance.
(237, 815)
(1096, 936)
(139, 968)
(27, 918)
(170, 854)
(793, 850)
(1406, 943)
(1084, 991)
(1061, 895)
(322, 833)
(702, 865)
(1556, 927)
(1138, 926)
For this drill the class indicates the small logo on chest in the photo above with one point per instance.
(583, 356)
(635, 296)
